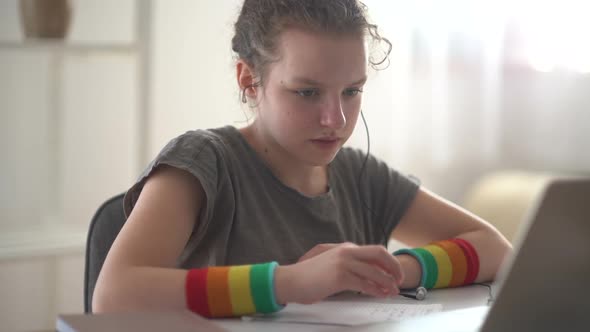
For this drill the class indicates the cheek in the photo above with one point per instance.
(351, 120)
(296, 118)
(353, 109)
(292, 112)
(280, 114)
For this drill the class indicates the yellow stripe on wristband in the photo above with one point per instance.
(458, 261)
(445, 267)
(239, 289)
(229, 291)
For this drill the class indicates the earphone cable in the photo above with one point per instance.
(360, 177)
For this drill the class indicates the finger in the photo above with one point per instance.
(353, 282)
(373, 274)
(368, 287)
(383, 292)
(372, 289)
(378, 255)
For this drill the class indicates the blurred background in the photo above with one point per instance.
(473, 89)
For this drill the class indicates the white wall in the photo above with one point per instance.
(23, 137)
(35, 289)
(68, 117)
(194, 81)
(68, 141)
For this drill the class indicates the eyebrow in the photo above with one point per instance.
(309, 81)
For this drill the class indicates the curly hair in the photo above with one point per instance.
(261, 22)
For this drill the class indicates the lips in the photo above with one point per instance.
(326, 139)
(326, 142)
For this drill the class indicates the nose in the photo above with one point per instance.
(332, 114)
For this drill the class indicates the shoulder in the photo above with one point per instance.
(194, 142)
(197, 153)
(203, 153)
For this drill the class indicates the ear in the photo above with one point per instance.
(246, 77)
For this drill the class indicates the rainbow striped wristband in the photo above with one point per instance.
(228, 291)
(423, 266)
(448, 263)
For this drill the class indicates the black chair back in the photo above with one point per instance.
(104, 228)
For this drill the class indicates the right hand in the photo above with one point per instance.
(369, 269)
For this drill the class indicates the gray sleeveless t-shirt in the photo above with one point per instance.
(250, 216)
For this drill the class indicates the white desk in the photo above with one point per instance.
(451, 299)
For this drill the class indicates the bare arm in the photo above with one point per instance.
(431, 218)
(139, 271)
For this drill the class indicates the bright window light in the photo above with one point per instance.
(554, 34)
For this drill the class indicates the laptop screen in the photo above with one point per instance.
(545, 285)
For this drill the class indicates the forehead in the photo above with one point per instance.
(324, 57)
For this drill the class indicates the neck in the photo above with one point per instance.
(307, 179)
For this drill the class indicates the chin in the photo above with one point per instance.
(321, 159)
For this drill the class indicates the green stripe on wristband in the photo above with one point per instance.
(431, 266)
(262, 287)
(424, 272)
(271, 284)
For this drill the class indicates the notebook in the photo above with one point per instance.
(545, 284)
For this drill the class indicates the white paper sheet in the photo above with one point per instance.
(348, 313)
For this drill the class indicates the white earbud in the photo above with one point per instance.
(419, 295)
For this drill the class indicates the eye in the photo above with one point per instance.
(307, 92)
(352, 92)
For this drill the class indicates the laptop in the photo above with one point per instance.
(545, 284)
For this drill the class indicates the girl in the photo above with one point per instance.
(234, 221)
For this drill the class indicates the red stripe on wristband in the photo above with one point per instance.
(196, 292)
(472, 260)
